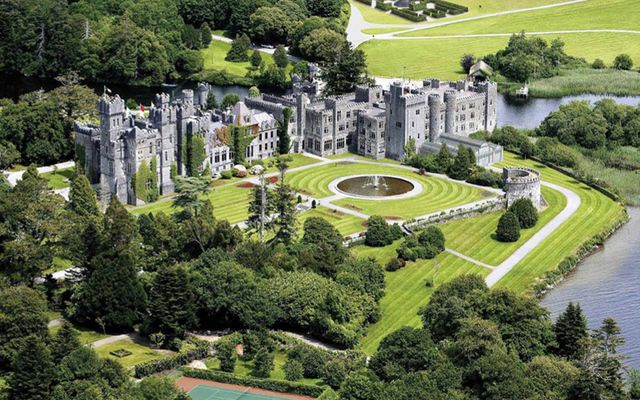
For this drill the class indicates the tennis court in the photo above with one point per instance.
(199, 389)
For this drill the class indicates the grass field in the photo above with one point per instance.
(406, 292)
(414, 58)
(346, 224)
(214, 59)
(85, 336)
(60, 179)
(378, 16)
(474, 237)
(578, 81)
(437, 194)
(140, 354)
(243, 368)
(596, 213)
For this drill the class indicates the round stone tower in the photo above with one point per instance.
(434, 117)
(520, 182)
(450, 112)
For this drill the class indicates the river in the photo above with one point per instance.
(606, 285)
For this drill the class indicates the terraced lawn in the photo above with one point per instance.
(406, 292)
(596, 213)
(346, 224)
(474, 237)
(230, 202)
(140, 354)
(438, 193)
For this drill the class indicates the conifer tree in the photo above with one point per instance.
(33, 372)
(444, 158)
(256, 59)
(570, 330)
(508, 228)
(526, 212)
(262, 363)
(284, 141)
(255, 206)
(239, 48)
(285, 206)
(607, 360)
(460, 169)
(82, 197)
(171, 303)
(280, 56)
(205, 34)
(64, 342)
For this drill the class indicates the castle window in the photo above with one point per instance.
(398, 124)
(327, 145)
(150, 148)
(166, 156)
(340, 143)
(418, 112)
(348, 114)
(413, 124)
(339, 115)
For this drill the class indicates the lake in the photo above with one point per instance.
(606, 285)
(530, 113)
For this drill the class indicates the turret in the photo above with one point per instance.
(111, 111)
(202, 93)
(434, 117)
(450, 111)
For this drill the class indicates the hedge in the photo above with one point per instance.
(367, 2)
(267, 384)
(410, 15)
(450, 8)
(180, 359)
(380, 5)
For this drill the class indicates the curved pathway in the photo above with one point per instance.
(573, 202)
(357, 23)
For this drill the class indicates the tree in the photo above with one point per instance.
(432, 236)
(256, 59)
(22, 314)
(262, 363)
(508, 228)
(212, 103)
(551, 377)
(258, 208)
(284, 140)
(324, 8)
(623, 62)
(380, 233)
(321, 45)
(239, 48)
(466, 61)
(160, 388)
(527, 149)
(64, 342)
(9, 155)
(280, 56)
(603, 357)
(444, 158)
(324, 251)
(270, 25)
(285, 206)
(598, 64)
(525, 211)
(33, 371)
(584, 388)
(254, 91)
(571, 331)
(171, 303)
(229, 100)
(226, 353)
(82, 197)
(345, 72)
(461, 167)
(293, 370)
(361, 385)
(205, 34)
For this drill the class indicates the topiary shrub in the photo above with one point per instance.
(526, 213)
(226, 174)
(293, 370)
(508, 228)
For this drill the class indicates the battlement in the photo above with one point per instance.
(111, 105)
(520, 175)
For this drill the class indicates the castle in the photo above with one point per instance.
(370, 121)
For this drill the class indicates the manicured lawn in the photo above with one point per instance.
(243, 368)
(86, 335)
(406, 292)
(140, 354)
(380, 31)
(596, 213)
(346, 224)
(230, 202)
(297, 160)
(474, 237)
(592, 14)
(60, 179)
(214, 59)
(376, 16)
(414, 58)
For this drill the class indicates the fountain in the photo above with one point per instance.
(375, 186)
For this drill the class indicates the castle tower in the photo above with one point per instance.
(434, 117)
(301, 109)
(202, 93)
(450, 112)
(112, 155)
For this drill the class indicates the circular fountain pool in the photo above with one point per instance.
(376, 187)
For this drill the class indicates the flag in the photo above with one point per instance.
(142, 107)
(106, 90)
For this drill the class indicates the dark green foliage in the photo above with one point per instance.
(485, 177)
(598, 64)
(285, 206)
(239, 48)
(200, 351)
(82, 197)
(212, 103)
(623, 62)
(322, 251)
(498, 375)
(363, 275)
(575, 123)
(379, 233)
(551, 377)
(262, 364)
(584, 388)
(361, 385)
(324, 8)
(335, 372)
(466, 61)
(530, 58)
(171, 303)
(22, 314)
(525, 212)
(321, 45)
(192, 37)
(64, 342)
(256, 59)
(508, 228)
(205, 34)
(395, 264)
(145, 182)
(426, 245)
(280, 57)
(33, 371)
(270, 25)
(226, 353)
(284, 140)
(445, 159)
(293, 370)
(432, 236)
(603, 359)
(345, 72)
(462, 164)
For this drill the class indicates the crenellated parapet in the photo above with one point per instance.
(521, 182)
